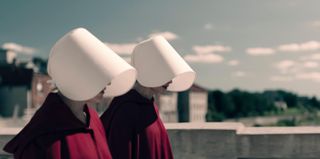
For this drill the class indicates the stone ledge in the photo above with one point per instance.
(206, 126)
(279, 130)
(231, 140)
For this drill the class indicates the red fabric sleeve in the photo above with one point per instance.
(54, 152)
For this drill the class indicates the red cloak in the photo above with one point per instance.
(134, 129)
(54, 132)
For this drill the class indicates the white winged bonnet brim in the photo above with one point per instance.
(81, 66)
(158, 63)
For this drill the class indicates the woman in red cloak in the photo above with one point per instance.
(132, 122)
(65, 127)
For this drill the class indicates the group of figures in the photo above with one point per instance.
(84, 70)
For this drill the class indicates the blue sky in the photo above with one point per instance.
(248, 44)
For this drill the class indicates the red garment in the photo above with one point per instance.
(54, 132)
(134, 129)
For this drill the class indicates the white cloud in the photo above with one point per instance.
(206, 54)
(19, 48)
(233, 62)
(260, 51)
(289, 47)
(286, 66)
(210, 49)
(310, 64)
(122, 49)
(204, 58)
(310, 45)
(311, 57)
(297, 70)
(315, 24)
(313, 76)
(167, 35)
(281, 78)
(293, 70)
(208, 26)
(295, 47)
(127, 48)
(309, 76)
(239, 74)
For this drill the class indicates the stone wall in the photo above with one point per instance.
(232, 141)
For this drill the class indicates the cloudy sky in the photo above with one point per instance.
(248, 44)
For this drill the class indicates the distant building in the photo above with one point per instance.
(197, 105)
(15, 82)
(40, 89)
(23, 87)
(168, 107)
(7, 56)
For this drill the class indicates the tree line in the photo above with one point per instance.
(238, 103)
